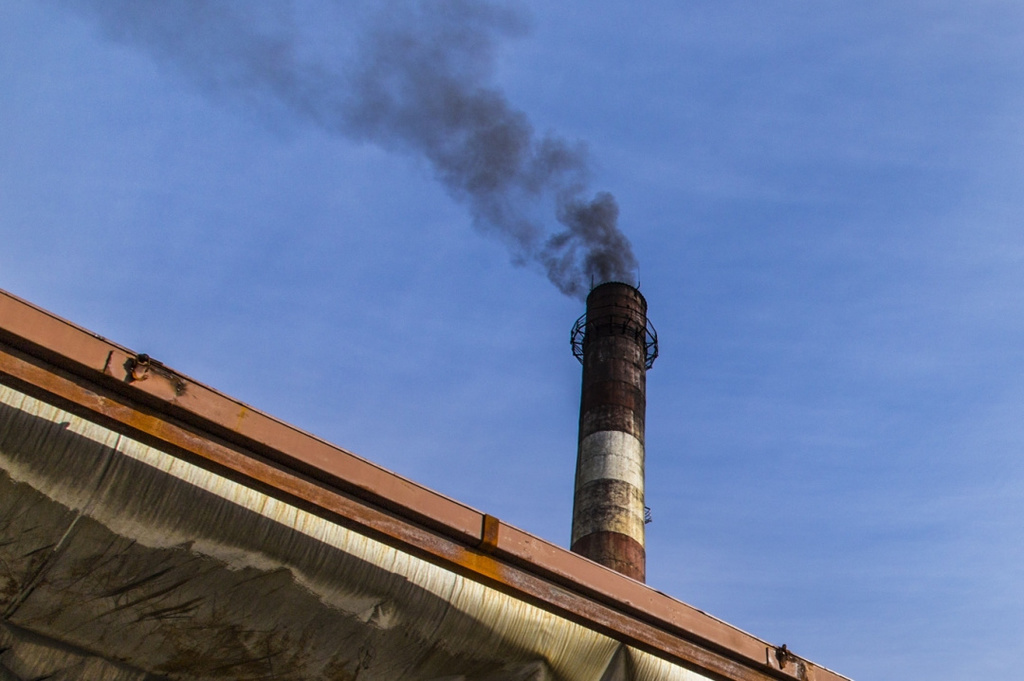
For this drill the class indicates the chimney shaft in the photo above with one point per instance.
(616, 345)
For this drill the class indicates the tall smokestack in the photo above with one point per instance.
(616, 345)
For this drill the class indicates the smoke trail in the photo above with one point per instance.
(418, 82)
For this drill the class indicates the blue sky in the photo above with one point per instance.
(824, 202)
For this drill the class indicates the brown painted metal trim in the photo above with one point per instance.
(117, 369)
(489, 534)
(55, 360)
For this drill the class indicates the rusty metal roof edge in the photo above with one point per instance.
(41, 334)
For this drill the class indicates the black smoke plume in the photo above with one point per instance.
(417, 80)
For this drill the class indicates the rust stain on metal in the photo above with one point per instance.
(482, 565)
(489, 533)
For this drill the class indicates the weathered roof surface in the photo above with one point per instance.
(153, 527)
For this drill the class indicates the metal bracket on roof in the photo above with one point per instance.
(139, 368)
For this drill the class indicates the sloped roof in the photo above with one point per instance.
(152, 527)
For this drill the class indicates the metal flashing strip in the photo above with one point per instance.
(64, 365)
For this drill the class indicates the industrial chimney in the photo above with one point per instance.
(616, 345)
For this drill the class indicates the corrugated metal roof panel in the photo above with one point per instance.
(168, 557)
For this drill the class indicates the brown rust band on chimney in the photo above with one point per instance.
(616, 346)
